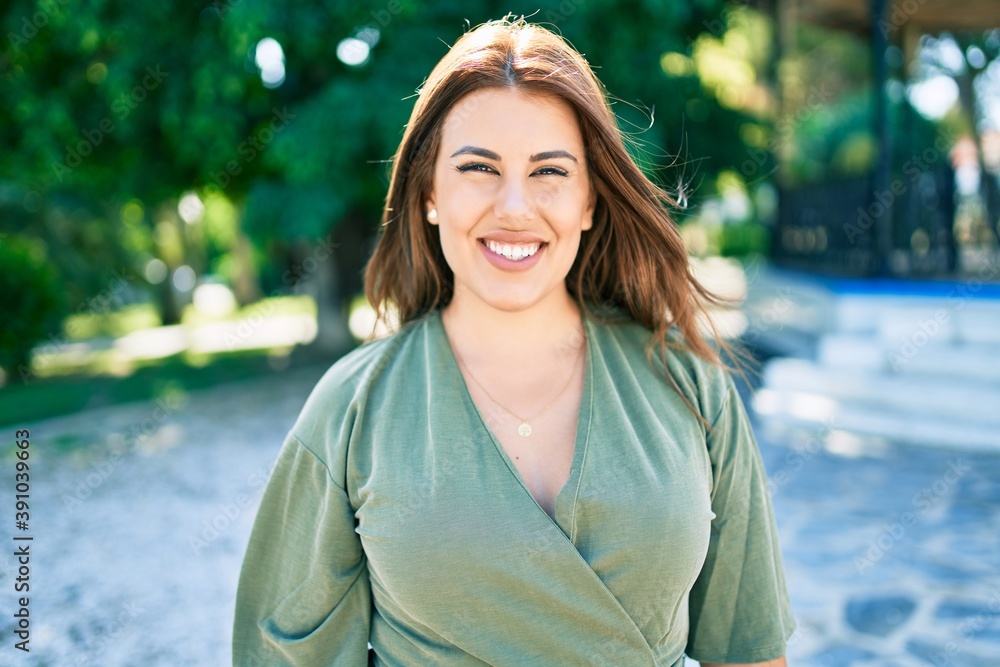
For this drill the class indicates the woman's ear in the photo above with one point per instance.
(430, 209)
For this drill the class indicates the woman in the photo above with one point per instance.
(510, 478)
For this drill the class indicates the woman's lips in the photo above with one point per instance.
(505, 264)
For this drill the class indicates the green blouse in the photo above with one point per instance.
(396, 531)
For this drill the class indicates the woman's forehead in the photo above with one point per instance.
(511, 121)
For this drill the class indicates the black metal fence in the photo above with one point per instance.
(833, 227)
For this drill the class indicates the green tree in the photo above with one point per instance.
(31, 303)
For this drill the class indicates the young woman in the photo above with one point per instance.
(510, 478)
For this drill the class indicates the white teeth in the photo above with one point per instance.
(513, 252)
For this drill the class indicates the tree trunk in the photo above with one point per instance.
(246, 286)
(337, 280)
(170, 312)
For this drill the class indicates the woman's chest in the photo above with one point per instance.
(540, 447)
(440, 510)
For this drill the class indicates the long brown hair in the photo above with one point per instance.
(632, 258)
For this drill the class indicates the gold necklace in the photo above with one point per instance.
(524, 429)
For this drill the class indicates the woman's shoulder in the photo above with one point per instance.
(706, 384)
(361, 364)
(336, 398)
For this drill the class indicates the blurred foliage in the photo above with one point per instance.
(41, 400)
(743, 240)
(740, 239)
(826, 126)
(32, 303)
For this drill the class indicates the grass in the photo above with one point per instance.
(133, 317)
(104, 328)
(52, 397)
(269, 307)
(63, 386)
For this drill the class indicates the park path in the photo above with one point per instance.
(892, 553)
(125, 568)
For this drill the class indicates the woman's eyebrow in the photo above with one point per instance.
(490, 155)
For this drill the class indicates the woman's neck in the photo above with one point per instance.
(546, 332)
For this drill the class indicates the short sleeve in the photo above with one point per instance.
(304, 596)
(739, 609)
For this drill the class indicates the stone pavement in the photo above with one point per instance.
(141, 514)
(892, 552)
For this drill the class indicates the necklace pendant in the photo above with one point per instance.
(524, 430)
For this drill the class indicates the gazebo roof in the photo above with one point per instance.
(925, 15)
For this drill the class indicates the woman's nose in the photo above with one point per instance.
(514, 200)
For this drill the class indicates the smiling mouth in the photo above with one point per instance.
(513, 252)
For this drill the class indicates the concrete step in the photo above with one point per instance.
(976, 361)
(786, 316)
(783, 309)
(777, 410)
(938, 397)
(949, 320)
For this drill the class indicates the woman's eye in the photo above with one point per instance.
(485, 168)
(474, 167)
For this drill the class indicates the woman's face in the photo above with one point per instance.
(510, 170)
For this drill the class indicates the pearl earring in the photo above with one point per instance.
(432, 214)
